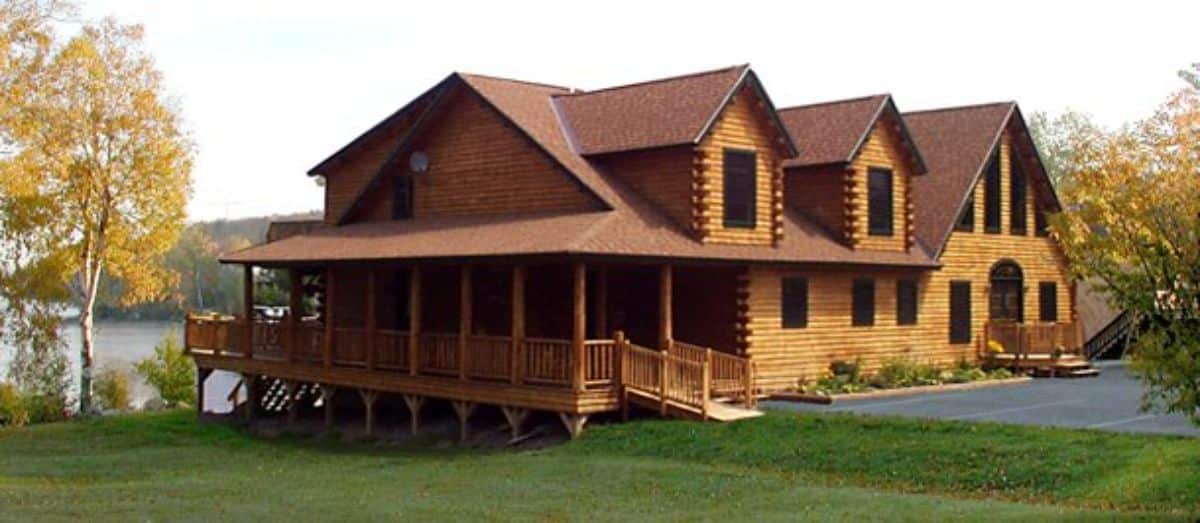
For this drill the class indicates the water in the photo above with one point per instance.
(121, 344)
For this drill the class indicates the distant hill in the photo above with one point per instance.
(253, 228)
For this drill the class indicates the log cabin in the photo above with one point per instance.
(680, 245)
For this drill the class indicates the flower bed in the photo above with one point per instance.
(846, 378)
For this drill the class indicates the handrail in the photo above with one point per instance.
(1116, 329)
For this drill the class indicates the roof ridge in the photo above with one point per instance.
(516, 81)
(959, 107)
(833, 102)
(654, 81)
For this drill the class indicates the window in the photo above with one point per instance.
(879, 202)
(1040, 223)
(906, 302)
(1048, 301)
(402, 197)
(864, 302)
(960, 312)
(991, 195)
(739, 189)
(1018, 189)
(966, 221)
(795, 303)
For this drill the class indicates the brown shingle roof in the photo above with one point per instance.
(956, 143)
(830, 132)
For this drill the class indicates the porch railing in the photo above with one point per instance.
(729, 375)
(1023, 341)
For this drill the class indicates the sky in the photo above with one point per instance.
(270, 88)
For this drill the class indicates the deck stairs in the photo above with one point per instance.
(1112, 340)
(687, 382)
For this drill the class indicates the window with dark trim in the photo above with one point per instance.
(879, 202)
(1040, 223)
(1018, 189)
(402, 197)
(966, 220)
(795, 303)
(1048, 301)
(864, 302)
(991, 194)
(906, 302)
(739, 188)
(960, 312)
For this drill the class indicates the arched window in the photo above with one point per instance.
(1006, 292)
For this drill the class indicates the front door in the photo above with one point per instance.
(1005, 295)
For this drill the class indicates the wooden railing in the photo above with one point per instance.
(547, 361)
(308, 342)
(1023, 340)
(600, 361)
(349, 347)
(391, 349)
(489, 357)
(438, 353)
(1117, 331)
(730, 376)
(665, 376)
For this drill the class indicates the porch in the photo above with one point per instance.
(510, 348)
(1053, 348)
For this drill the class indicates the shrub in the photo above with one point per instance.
(12, 411)
(170, 372)
(112, 389)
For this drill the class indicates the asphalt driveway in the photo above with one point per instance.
(1107, 402)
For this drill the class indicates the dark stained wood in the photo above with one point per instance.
(248, 306)
(601, 302)
(414, 318)
(664, 306)
(518, 321)
(328, 318)
(579, 324)
(371, 320)
(464, 319)
(295, 311)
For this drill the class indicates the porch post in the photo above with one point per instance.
(327, 345)
(579, 325)
(602, 302)
(248, 307)
(464, 318)
(664, 307)
(518, 322)
(414, 318)
(294, 310)
(371, 321)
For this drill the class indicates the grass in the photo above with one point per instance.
(782, 466)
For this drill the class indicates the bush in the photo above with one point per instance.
(12, 411)
(112, 389)
(170, 372)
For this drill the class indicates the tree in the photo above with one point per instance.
(98, 175)
(170, 372)
(1056, 138)
(1192, 76)
(1133, 223)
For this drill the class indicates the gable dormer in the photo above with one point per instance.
(854, 172)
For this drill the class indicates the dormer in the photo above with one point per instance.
(853, 175)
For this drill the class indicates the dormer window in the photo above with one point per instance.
(739, 189)
(879, 202)
(991, 194)
(402, 196)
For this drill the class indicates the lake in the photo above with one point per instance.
(121, 344)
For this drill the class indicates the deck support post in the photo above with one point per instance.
(371, 320)
(463, 409)
(573, 422)
(621, 370)
(414, 319)
(368, 397)
(464, 318)
(517, 332)
(601, 309)
(202, 375)
(250, 381)
(664, 307)
(295, 297)
(327, 393)
(330, 292)
(293, 407)
(248, 308)
(414, 403)
(579, 325)
(516, 417)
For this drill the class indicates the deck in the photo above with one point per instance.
(1054, 349)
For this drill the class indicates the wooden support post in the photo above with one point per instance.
(293, 407)
(664, 307)
(579, 324)
(750, 401)
(516, 417)
(573, 422)
(464, 318)
(327, 346)
(369, 396)
(622, 370)
(250, 381)
(202, 375)
(371, 321)
(518, 323)
(663, 379)
(601, 302)
(414, 319)
(414, 403)
(248, 308)
(463, 409)
(327, 393)
(295, 310)
(705, 384)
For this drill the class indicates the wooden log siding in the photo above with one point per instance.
(819, 192)
(882, 150)
(663, 176)
(480, 165)
(742, 125)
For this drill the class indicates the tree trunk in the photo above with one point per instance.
(86, 361)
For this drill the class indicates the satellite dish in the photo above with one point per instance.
(418, 162)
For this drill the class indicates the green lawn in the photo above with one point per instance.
(782, 466)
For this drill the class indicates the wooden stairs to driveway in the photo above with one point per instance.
(686, 381)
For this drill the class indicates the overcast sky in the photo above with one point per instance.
(271, 88)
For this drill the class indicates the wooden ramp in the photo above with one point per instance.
(714, 410)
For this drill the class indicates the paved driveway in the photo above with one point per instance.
(1107, 402)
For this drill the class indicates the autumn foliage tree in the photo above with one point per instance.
(97, 174)
(1133, 223)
